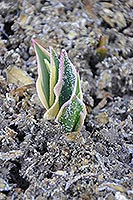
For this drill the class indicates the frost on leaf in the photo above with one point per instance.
(43, 81)
(59, 89)
(72, 114)
(54, 73)
(65, 85)
(52, 112)
(68, 81)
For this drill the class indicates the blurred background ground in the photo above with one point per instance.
(38, 161)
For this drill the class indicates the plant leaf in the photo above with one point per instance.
(65, 86)
(69, 80)
(43, 81)
(54, 71)
(39, 44)
(72, 115)
(101, 51)
(78, 88)
(54, 109)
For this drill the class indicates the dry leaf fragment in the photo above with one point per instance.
(103, 118)
(88, 6)
(18, 76)
(11, 155)
(20, 90)
(104, 101)
(10, 132)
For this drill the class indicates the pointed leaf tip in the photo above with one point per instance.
(33, 42)
(58, 86)
(43, 62)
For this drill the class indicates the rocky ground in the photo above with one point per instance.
(38, 160)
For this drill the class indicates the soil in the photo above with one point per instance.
(38, 159)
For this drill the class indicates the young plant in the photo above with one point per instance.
(101, 51)
(58, 87)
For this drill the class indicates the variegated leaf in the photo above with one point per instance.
(72, 115)
(69, 80)
(65, 86)
(54, 73)
(52, 112)
(78, 88)
(58, 86)
(43, 81)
